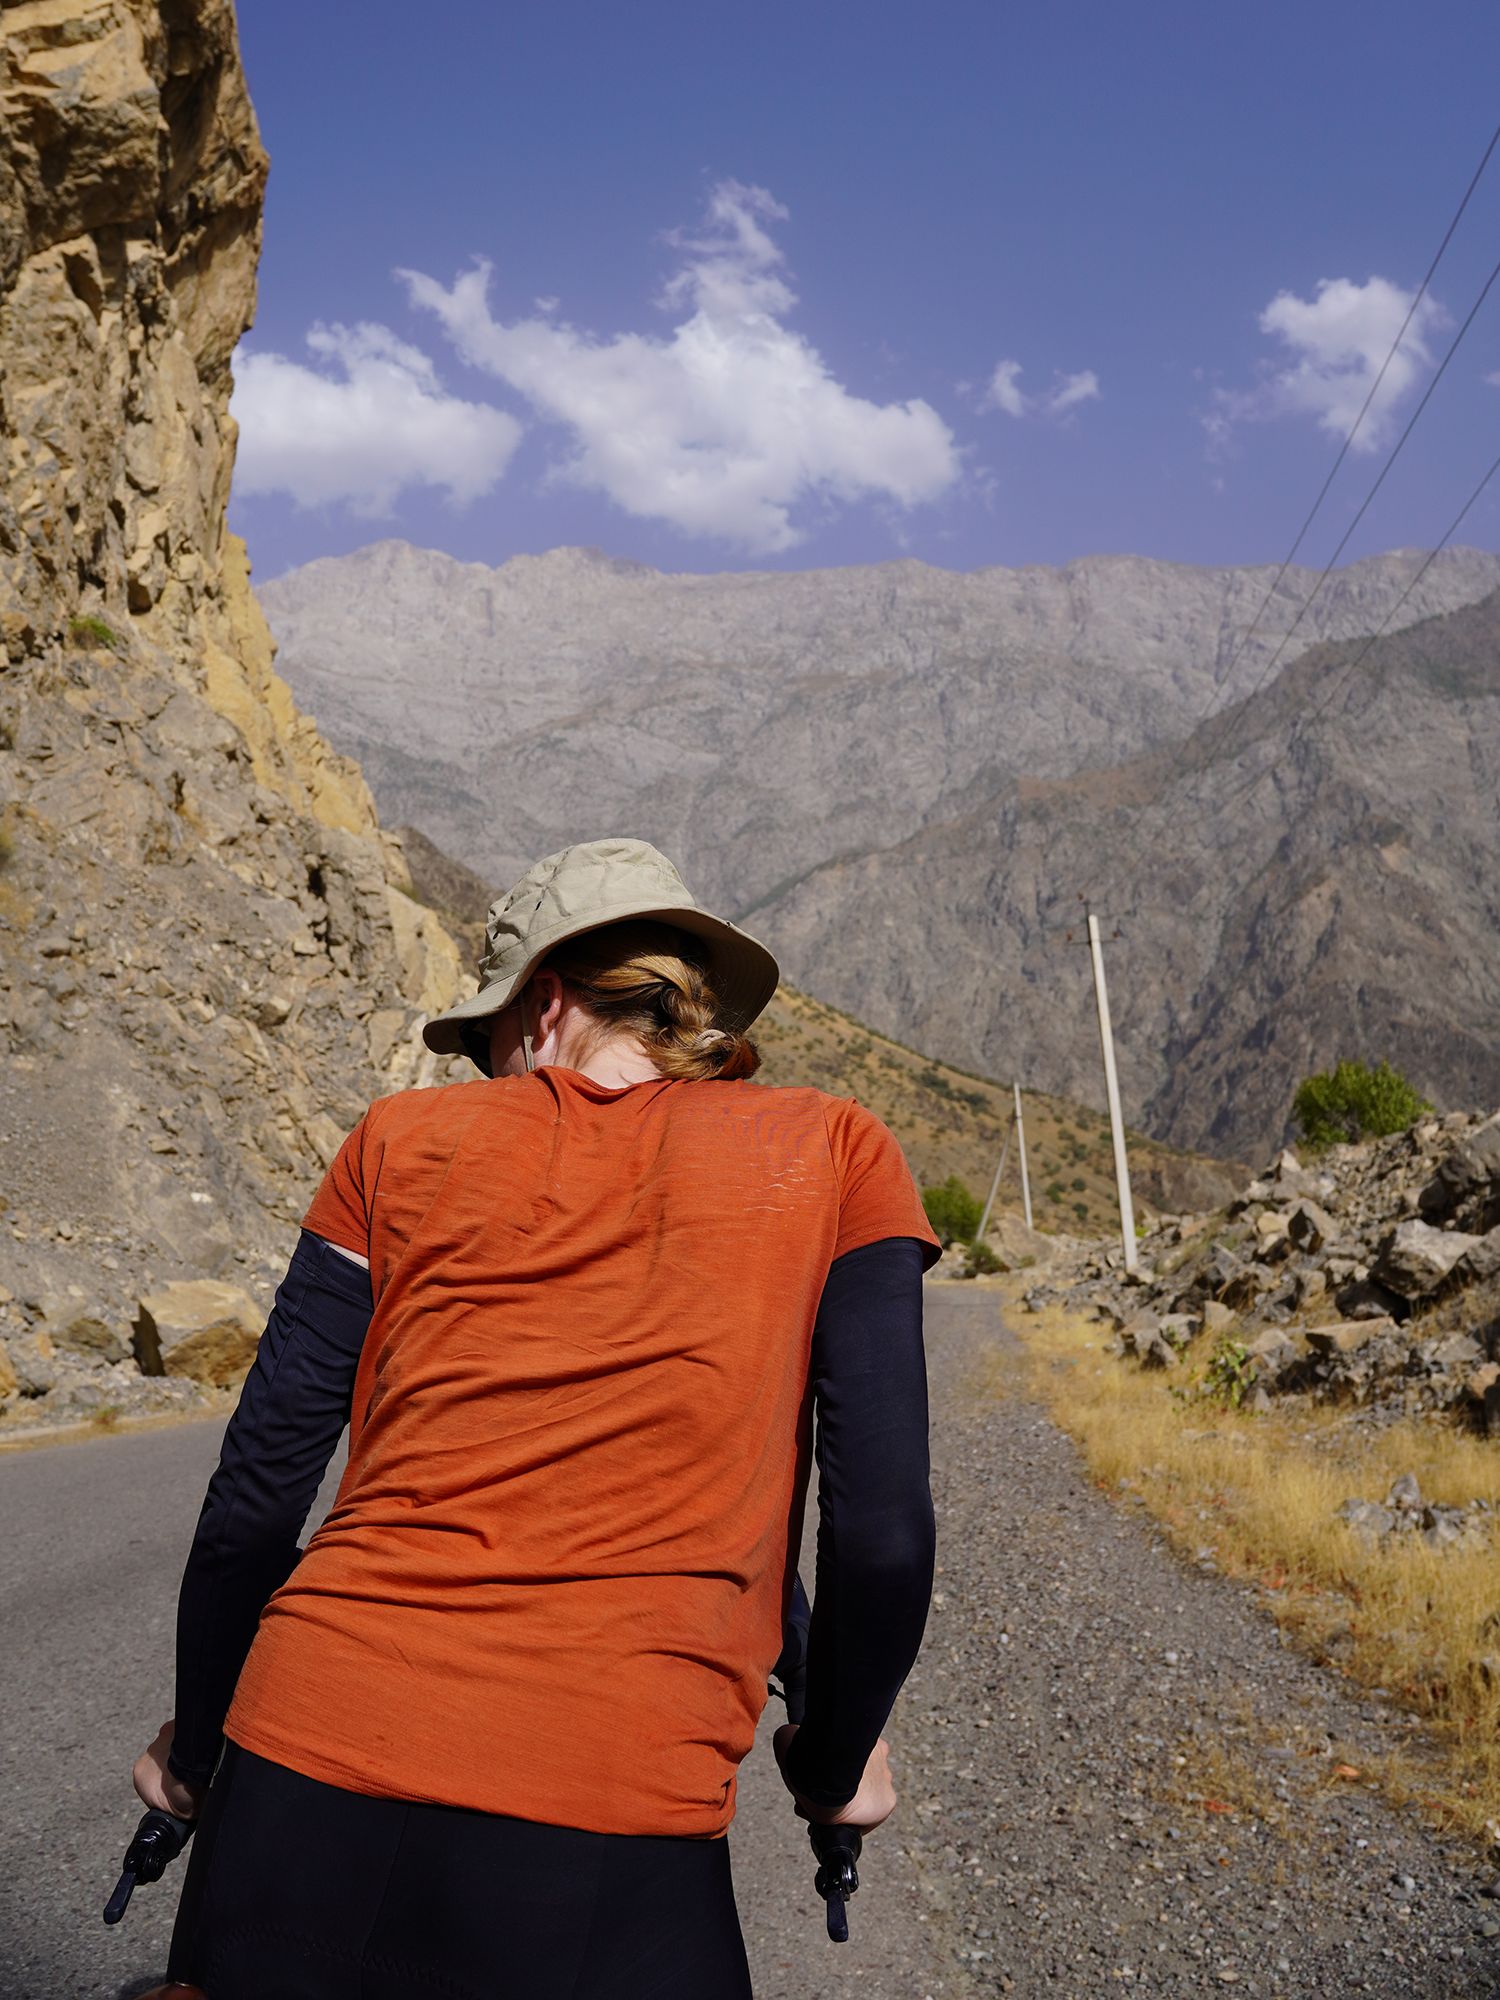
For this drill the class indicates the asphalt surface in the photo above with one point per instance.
(1046, 1844)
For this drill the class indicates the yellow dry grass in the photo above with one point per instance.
(1260, 1493)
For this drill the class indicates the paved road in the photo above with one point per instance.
(1044, 1846)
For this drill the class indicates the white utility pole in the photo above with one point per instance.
(1021, 1142)
(1112, 1086)
(984, 1220)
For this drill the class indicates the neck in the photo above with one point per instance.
(613, 1065)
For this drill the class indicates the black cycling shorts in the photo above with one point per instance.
(302, 1890)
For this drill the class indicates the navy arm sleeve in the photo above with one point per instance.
(876, 1536)
(291, 1415)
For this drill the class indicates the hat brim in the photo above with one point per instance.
(743, 972)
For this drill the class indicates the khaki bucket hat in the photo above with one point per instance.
(580, 889)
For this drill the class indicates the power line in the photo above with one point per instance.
(1303, 723)
(1174, 810)
(1343, 452)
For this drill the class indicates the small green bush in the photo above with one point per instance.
(980, 1260)
(1055, 1190)
(1230, 1374)
(1353, 1101)
(94, 632)
(1078, 1184)
(1081, 1210)
(952, 1211)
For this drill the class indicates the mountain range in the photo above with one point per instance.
(906, 779)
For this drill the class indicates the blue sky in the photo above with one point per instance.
(827, 284)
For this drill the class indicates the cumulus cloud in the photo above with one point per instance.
(372, 420)
(726, 425)
(1005, 393)
(1332, 347)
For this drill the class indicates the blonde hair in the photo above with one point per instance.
(651, 980)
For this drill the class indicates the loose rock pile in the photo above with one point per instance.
(1406, 1514)
(1371, 1275)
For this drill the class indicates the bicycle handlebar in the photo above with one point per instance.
(159, 1838)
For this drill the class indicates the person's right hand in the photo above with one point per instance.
(156, 1786)
(871, 1806)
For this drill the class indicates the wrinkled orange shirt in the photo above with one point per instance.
(553, 1580)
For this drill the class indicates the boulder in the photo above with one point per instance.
(1310, 1285)
(1345, 1337)
(1291, 1177)
(1483, 1390)
(90, 1336)
(1275, 1354)
(1365, 1298)
(1369, 1520)
(1142, 1336)
(32, 1360)
(1217, 1318)
(1478, 1264)
(1310, 1227)
(201, 1328)
(1453, 1354)
(1243, 1285)
(1468, 1179)
(1415, 1258)
(1270, 1228)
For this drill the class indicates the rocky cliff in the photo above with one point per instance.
(906, 778)
(208, 958)
(1341, 906)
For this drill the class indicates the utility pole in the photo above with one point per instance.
(1112, 1086)
(984, 1220)
(1021, 1141)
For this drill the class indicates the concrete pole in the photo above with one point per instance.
(984, 1220)
(1112, 1086)
(1021, 1143)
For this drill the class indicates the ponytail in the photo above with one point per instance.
(651, 980)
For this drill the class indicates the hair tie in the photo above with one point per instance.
(706, 1037)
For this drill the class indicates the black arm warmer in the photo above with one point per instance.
(292, 1412)
(875, 1526)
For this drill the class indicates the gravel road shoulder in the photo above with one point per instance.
(1049, 1840)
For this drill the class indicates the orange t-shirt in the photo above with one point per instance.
(553, 1580)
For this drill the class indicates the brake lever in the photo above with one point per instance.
(159, 1838)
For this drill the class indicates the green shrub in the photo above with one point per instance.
(1353, 1101)
(1081, 1210)
(1055, 1190)
(1230, 1374)
(1078, 1184)
(952, 1211)
(980, 1260)
(94, 632)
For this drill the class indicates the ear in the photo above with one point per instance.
(547, 1003)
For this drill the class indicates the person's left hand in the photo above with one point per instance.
(156, 1786)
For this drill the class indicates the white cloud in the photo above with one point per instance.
(1003, 393)
(1333, 345)
(1067, 392)
(728, 424)
(1071, 391)
(381, 422)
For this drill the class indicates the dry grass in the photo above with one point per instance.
(1259, 1494)
(951, 1121)
(1215, 1776)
